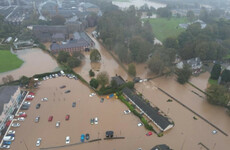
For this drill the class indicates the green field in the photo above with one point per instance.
(163, 27)
(9, 61)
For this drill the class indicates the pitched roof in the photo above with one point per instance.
(151, 112)
(119, 80)
(5, 95)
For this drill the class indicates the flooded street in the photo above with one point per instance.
(35, 62)
(138, 4)
(107, 63)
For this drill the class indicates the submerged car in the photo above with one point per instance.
(6, 146)
(127, 112)
(44, 99)
(87, 136)
(37, 119)
(38, 106)
(67, 140)
(11, 132)
(50, 118)
(92, 121)
(15, 125)
(74, 104)
(95, 120)
(21, 119)
(58, 124)
(63, 86)
(67, 117)
(38, 143)
(67, 91)
(82, 138)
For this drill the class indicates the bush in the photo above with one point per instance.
(94, 83)
(91, 73)
(73, 62)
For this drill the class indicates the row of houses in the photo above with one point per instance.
(10, 98)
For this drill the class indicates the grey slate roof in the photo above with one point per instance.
(160, 120)
(119, 80)
(5, 94)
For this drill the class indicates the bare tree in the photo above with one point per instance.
(4, 80)
(10, 78)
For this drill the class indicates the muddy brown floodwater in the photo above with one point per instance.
(187, 131)
(107, 63)
(35, 61)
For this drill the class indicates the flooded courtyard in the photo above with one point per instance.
(35, 62)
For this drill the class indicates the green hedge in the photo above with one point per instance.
(131, 108)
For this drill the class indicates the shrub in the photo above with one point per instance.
(94, 83)
(91, 73)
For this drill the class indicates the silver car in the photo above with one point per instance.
(38, 143)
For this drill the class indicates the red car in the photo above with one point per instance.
(31, 93)
(29, 98)
(8, 123)
(50, 118)
(149, 133)
(23, 115)
(67, 117)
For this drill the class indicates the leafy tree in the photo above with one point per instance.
(78, 55)
(225, 76)
(156, 65)
(216, 70)
(24, 80)
(103, 78)
(91, 73)
(218, 94)
(204, 14)
(94, 83)
(95, 56)
(164, 12)
(58, 20)
(73, 62)
(132, 70)
(184, 74)
(63, 56)
(171, 43)
(149, 14)
(190, 15)
(129, 84)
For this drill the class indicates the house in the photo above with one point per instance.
(9, 101)
(194, 63)
(58, 37)
(161, 147)
(45, 33)
(202, 24)
(153, 114)
(89, 7)
(119, 80)
(81, 41)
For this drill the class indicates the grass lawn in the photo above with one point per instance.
(163, 27)
(227, 56)
(212, 82)
(9, 61)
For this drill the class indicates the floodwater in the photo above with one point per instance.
(138, 4)
(35, 62)
(107, 63)
(188, 133)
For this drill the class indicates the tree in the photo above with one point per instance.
(184, 74)
(132, 70)
(149, 13)
(171, 43)
(94, 83)
(78, 55)
(190, 15)
(95, 56)
(4, 80)
(63, 56)
(225, 76)
(58, 20)
(218, 94)
(164, 12)
(73, 62)
(216, 70)
(103, 78)
(91, 73)
(24, 80)
(156, 65)
(10, 78)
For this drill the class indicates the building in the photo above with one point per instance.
(81, 41)
(202, 24)
(194, 63)
(153, 114)
(119, 80)
(161, 147)
(10, 97)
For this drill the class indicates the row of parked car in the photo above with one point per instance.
(8, 139)
(61, 73)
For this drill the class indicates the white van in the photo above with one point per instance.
(8, 138)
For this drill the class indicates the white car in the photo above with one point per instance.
(214, 132)
(11, 132)
(127, 112)
(140, 124)
(28, 103)
(21, 113)
(15, 125)
(6, 146)
(44, 99)
(67, 140)
(21, 119)
(58, 124)
(38, 143)
(96, 120)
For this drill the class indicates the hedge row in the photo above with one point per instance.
(131, 108)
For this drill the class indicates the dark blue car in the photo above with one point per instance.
(6, 142)
(13, 135)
